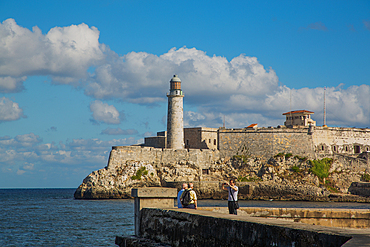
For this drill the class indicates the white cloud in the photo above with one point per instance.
(20, 172)
(65, 53)
(119, 131)
(26, 152)
(240, 88)
(193, 119)
(27, 140)
(28, 166)
(344, 107)
(144, 78)
(102, 112)
(9, 110)
(10, 84)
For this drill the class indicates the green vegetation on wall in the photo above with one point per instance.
(300, 158)
(241, 157)
(242, 154)
(365, 177)
(321, 167)
(279, 155)
(295, 169)
(288, 155)
(330, 185)
(142, 171)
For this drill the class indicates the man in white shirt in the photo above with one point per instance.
(233, 195)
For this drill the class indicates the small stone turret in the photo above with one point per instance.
(175, 117)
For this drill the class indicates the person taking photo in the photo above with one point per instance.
(233, 196)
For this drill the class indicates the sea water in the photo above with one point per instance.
(51, 217)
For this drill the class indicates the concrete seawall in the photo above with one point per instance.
(186, 227)
(168, 226)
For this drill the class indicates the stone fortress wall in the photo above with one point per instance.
(333, 140)
(311, 142)
(157, 156)
(265, 142)
(201, 138)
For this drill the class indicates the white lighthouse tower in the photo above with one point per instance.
(175, 117)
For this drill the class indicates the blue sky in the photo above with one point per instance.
(77, 77)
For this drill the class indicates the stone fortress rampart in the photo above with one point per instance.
(157, 156)
(312, 142)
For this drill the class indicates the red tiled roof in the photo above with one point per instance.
(300, 111)
(252, 125)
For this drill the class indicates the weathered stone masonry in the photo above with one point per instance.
(266, 142)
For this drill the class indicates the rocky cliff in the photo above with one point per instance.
(284, 176)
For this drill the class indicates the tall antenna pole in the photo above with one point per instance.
(290, 115)
(324, 107)
(224, 122)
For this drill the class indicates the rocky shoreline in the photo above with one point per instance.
(282, 177)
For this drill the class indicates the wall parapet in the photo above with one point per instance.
(186, 227)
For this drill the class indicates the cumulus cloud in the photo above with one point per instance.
(25, 152)
(9, 110)
(240, 89)
(27, 140)
(20, 172)
(102, 112)
(28, 166)
(143, 78)
(345, 107)
(119, 131)
(10, 84)
(64, 53)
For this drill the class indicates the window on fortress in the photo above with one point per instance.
(367, 149)
(334, 148)
(357, 149)
(214, 142)
(209, 141)
(205, 171)
(346, 149)
(322, 148)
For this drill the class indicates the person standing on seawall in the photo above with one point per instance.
(184, 187)
(233, 195)
(192, 200)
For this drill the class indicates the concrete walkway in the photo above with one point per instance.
(359, 237)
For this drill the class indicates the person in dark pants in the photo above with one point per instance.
(193, 198)
(233, 195)
(184, 187)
